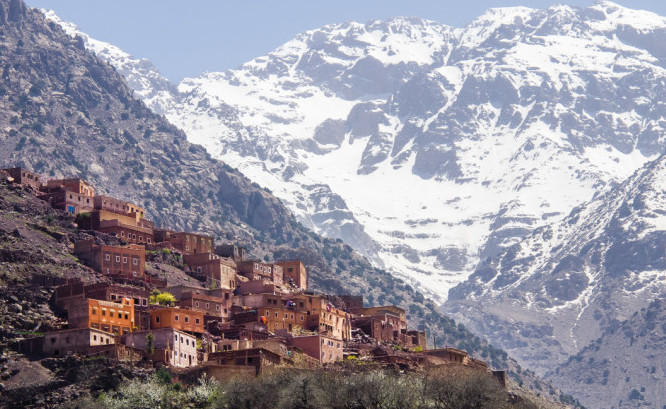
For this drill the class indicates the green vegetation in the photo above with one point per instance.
(158, 297)
(442, 388)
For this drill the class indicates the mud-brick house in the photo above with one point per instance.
(211, 306)
(101, 291)
(261, 359)
(83, 341)
(323, 317)
(170, 346)
(74, 185)
(282, 318)
(115, 292)
(123, 261)
(118, 206)
(128, 227)
(112, 317)
(177, 318)
(385, 324)
(218, 271)
(255, 270)
(447, 355)
(322, 348)
(232, 251)
(294, 273)
(71, 195)
(24, 177)
(186, 243)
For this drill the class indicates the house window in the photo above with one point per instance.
(122, 234)
(301, 318)
(276, 315)
(117, 259)
(207, 305)
(53, 340)
(175, 318)
(94, 311)
(187, 319)
(124, 260)
(217, 307)
(198, 269)
(157, 319)
(135, 262)
(133, 236)
(196, 304)
(103, 313)
(107, 257)
(140, 239)
(120, 315)
(197, 321)
(94, 337)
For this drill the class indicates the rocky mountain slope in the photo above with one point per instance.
(625, 366)
(65, 112)
(571, 283)
(484, 132)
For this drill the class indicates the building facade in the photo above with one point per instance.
(177, 318)
(125, 261)
(294, 273)
(111, 317)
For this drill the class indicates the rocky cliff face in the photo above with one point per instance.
(453, 118)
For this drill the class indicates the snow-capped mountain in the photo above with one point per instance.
(573, 282)
(429, 148)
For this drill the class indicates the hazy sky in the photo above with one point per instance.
(187, 38)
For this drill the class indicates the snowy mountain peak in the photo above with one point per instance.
(485, 132)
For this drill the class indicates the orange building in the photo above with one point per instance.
(187, 243)
(114, 317)
(295, 271)
(129, 261)
(177, 318)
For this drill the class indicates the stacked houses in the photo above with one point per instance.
(241, 313)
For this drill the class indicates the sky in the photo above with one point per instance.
(187, 38)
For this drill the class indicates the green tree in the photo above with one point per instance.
(161, 298)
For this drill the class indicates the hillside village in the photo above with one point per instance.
(228, 314)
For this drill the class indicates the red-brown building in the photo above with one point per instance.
(217, 271)
(101, 291)
(74, 185)
(219, 307)
(67, 200)
(232, 251)
(108, 316)
(126, 261)
(177, 318)
(255, 270)
(111, 204)
(129, 228)
(25, 177)
(187, 243)
(324, 349)
(294, 272)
